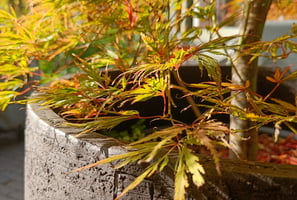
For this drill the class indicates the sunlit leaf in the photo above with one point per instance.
(154, 87)
(181, 180)
(194, 167)
(11, 85)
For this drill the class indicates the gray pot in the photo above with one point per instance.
(53, 150)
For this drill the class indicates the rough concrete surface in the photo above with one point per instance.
(51, 155)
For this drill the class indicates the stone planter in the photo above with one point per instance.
(53, 150)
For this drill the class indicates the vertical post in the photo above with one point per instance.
(188, 22)
(244, 70)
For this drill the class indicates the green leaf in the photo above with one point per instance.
(154, 87)
(212, 67)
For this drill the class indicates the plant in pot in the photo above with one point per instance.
(129, 61)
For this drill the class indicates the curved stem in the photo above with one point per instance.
(190, 99)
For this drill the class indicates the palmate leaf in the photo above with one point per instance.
(11, 70)
(58, 97)
(143, 94)
(276, 109)
(210, 63)
(4, 15)
(193, 166)
(66, 45)
(187, 163)
(212, 67)
(145, 70)
(217, 132)
(207, 91)
(149, 42)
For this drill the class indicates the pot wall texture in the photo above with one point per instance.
(51, 155)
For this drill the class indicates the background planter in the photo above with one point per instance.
(52, 150)
(273, 30)
(12, 122)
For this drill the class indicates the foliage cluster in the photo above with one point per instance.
(145, 42)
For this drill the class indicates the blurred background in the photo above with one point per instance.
(11, 136)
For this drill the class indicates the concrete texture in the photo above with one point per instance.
(52, 151)
(11, 167)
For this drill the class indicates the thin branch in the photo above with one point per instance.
(188, 98)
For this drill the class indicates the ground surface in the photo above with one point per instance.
(11, 167)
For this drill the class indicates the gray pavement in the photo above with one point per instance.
(11, 167)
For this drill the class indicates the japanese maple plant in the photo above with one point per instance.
(146, 42)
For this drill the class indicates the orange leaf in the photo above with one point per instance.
(271, 79)
(277, 74)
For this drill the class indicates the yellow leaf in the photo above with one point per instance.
(181, 182)
(6, 98)
(194, 167)
(251, 116)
